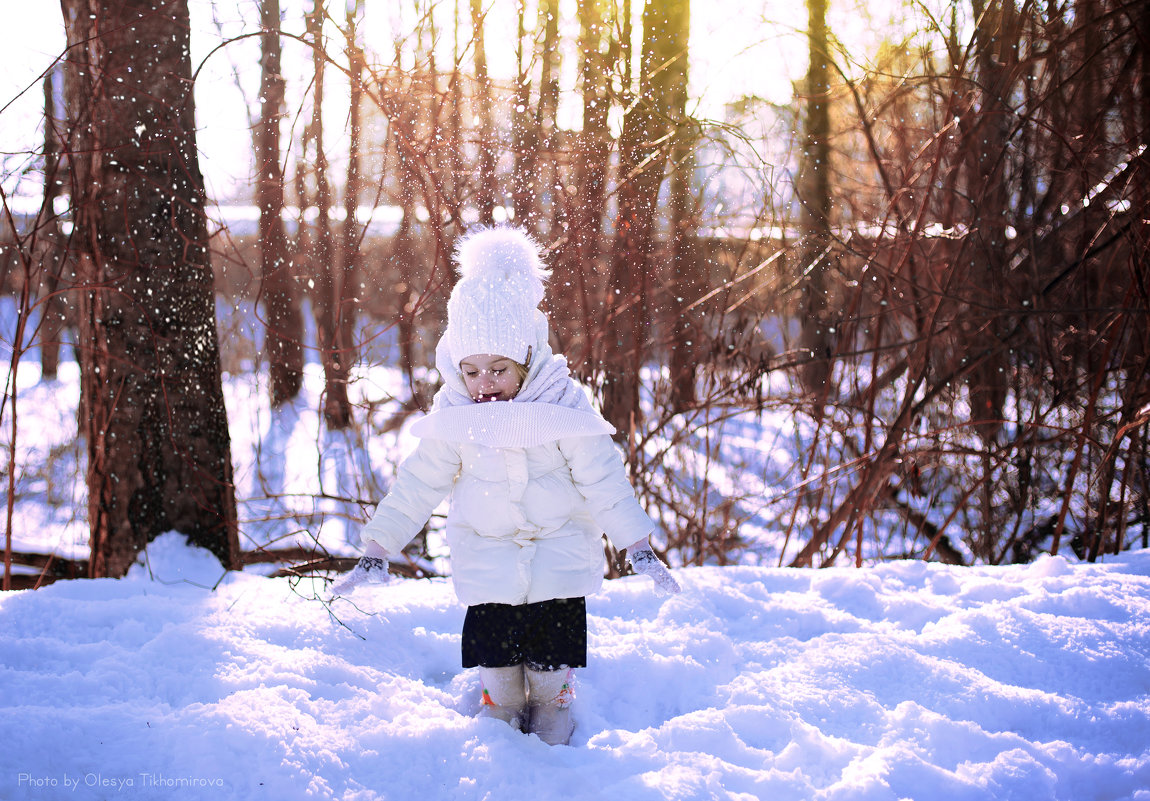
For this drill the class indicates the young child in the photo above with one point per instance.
(535, 481)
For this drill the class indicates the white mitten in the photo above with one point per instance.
(644, 562)
(371, 569)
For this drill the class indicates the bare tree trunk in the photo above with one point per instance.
(815, 194)
(455, 180)
(1142, 23)
(405, 243)
(575, 274)
(51, 250)
(687, 279)
(336, 408)
(158, 445)
(996, 38)
(642, 159)
(524, 130)
(546, 115)
(487, 191)
(436, 154)
(283, 316)
(348, 278)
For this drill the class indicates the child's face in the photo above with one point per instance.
(489, 377)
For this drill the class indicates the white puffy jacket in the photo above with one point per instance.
(534, 486)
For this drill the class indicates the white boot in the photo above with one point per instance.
(504, 695)
(549, 704)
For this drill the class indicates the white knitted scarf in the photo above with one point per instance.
(550, 405)
(503, 424)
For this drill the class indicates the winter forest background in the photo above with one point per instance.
(880, 292)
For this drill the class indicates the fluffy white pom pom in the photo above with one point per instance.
(503, 254)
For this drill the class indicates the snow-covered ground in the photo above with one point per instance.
(907, 680)
(899, 681)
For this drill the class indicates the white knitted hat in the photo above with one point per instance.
(494, 306)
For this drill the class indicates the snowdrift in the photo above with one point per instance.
(907, 680)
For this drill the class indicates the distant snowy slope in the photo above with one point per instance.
(907, 680)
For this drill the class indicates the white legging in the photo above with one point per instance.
(540, 698)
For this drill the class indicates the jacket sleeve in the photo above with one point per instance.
(601, 477)
(424, 479)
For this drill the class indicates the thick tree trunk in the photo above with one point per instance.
(158, 446)
(996, 36)
(283, 317)
(642, 159)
